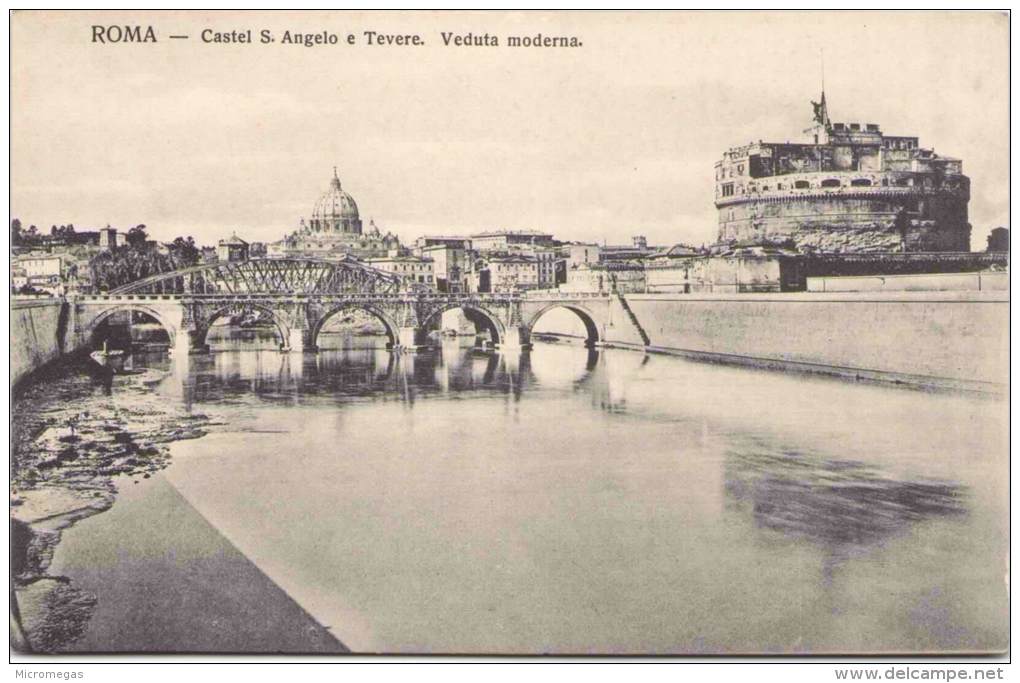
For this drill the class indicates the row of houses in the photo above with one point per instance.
(52, 272)
(510, 261)
(502, 261)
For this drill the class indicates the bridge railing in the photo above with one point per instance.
(424, 297)
(99, 298)
(543, 295)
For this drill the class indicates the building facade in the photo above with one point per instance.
(603, 278)
(410, 269)
(449, 264)
(502, 273)
(577, 254)
(108, 238)
(41, 271)
(545, 258)
(853, 189)
(232, 249)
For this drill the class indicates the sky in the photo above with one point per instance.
(617, 137)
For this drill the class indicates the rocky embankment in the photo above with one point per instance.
(75, 437)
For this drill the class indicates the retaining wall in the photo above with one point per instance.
(961, 337)
(38, 333)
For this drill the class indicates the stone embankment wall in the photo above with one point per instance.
(39, 330)
(943, 282)
(942, 338)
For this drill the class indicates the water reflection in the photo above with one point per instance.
(837, 504)
(477, 499)
(355, 373)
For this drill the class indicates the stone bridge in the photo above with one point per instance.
(300, 295)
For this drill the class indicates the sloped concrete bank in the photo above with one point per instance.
(940, 339)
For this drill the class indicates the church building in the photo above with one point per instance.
(334, 231)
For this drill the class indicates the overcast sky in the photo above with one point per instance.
(614, 138)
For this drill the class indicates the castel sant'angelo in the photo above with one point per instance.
(852, 189)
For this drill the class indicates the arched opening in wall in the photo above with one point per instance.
(801, 185)
(128, 338)
(130, 329)
(830, 182)
(860, 182)
(244, 328)
(353, 328)
(559, 324)
(463, 326)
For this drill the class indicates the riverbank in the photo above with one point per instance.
(168, 581)
(73, 430)
(150, 574)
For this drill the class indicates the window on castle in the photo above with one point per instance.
(727, 190)
(860, 182)
(801, 185)
(830, 182)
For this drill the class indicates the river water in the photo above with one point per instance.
(577, 501)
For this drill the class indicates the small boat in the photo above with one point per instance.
(113, 358)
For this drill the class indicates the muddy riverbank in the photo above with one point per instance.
(74, 428)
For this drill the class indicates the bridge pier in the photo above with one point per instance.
(517, 338)
(410, 339)
(190, 342)
(182, 345)
(298, 340)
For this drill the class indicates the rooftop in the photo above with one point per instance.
(498, 233)
(233, 240)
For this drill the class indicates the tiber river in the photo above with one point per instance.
(561, 501)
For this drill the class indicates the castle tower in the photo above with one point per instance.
(851, 189)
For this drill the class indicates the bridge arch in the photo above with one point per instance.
(587, 318)
(239, 308)
(92, 326)
(483, 319)
(387, 322)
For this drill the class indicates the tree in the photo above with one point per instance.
(15, 232)
(137, 236)
(184, 251)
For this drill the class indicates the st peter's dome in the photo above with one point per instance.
(336, 210)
